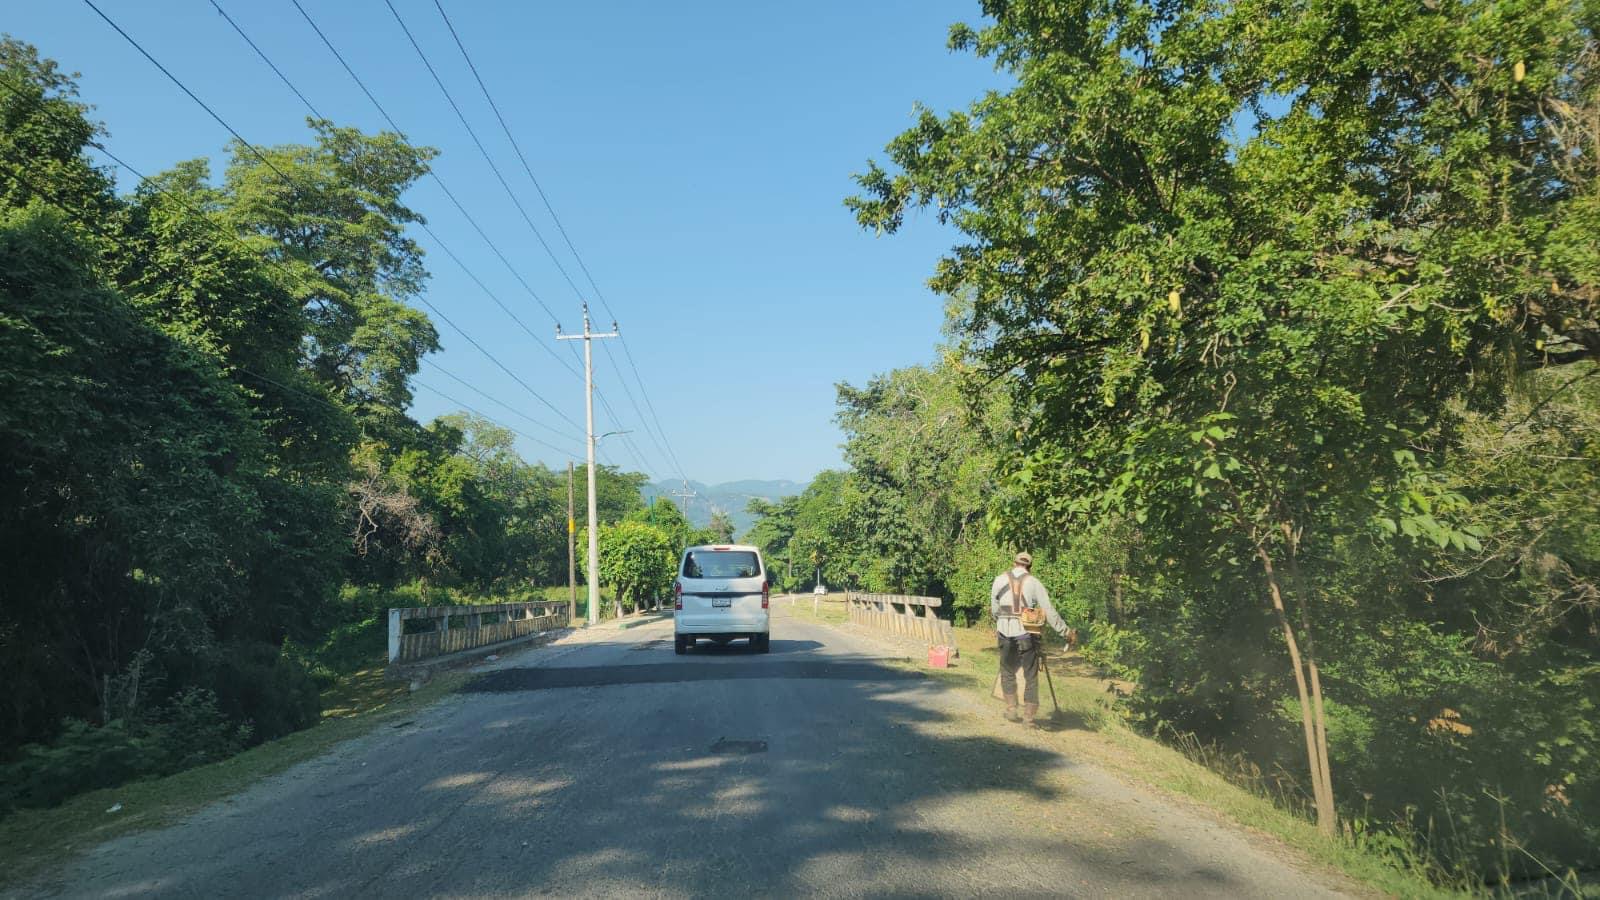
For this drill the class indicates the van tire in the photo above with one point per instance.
(762, 643)
(680, 645)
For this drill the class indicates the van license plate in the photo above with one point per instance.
(721, 601)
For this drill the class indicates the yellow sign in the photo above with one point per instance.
(571, 526)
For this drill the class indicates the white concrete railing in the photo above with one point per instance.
(897, 613)
(422, 632)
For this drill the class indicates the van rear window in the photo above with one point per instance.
(721, 564)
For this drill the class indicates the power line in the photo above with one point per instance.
(627, 444)
(460, 207)
(235, 238)
(447, 397)
(55, 201)
(491, 398)
(181, 86)
(649, 405)
(497, 302)
(290, 183)
(481, 148)
(640, 413)
(265, 59)
(500, 177)
(324, 401)
(514, 145)
(120, 240)
(528, 169)
(378, 105)
(502, 366)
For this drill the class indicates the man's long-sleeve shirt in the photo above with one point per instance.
(1005, 611)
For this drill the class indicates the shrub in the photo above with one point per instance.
(189, 731)
(1115, 651)
(259, 684)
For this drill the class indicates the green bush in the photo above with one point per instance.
(259, 684)
(1115, 651)
(190, 731)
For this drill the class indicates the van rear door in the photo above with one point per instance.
(721, 587)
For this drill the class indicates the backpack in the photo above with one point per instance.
(1032, 617)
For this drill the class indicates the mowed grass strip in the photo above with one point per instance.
(37, 839)
(1088, 728)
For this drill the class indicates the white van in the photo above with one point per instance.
(721, 594)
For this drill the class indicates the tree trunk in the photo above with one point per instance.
(1327, 816)
(1319, 719)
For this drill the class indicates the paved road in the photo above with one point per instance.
(603, 764)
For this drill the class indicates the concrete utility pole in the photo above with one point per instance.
(684, 495)
(596, 442)
(572, 554)
(588, 337)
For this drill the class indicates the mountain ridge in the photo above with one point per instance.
(729, 497)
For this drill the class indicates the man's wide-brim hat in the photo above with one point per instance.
(1025, 559)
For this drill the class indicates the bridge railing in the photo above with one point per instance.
(420, 633)
(901, 614)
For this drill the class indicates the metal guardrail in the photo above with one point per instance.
(897, 614)
(423, 632)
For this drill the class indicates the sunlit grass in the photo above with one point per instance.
(829, 609)
(362, 691)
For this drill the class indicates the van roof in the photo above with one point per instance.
(745, 547)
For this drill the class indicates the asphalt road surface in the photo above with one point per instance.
(605, 765)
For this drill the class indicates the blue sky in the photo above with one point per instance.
(697, 153)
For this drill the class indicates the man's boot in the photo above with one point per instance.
(1029, 711)
(1011, 709)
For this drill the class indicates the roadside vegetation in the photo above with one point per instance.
(210, 489)
(38, 838)
(1274, 337)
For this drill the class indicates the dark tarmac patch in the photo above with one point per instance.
(726, 747)
(543, 679)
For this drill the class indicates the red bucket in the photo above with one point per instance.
(939, 657)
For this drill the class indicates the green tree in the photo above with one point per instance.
(921, 443)
(1255, 344)
(166, 538)
(43, 130)
(664, 514)
(331, 213)
(773, 532)
(638, 560)
(829, 531)
(130, 489)
(617, 494)
(721, 527)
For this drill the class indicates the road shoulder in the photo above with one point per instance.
(1175, 801)
(43, 842)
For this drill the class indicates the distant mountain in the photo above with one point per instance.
(730, 498)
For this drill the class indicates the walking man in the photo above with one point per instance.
(1017, 597)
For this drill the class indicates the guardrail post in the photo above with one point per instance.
(394, 635)
(897, 613)
(476, 627)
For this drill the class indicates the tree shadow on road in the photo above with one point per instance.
(743, 648)
(769, 777)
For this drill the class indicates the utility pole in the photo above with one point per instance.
(588, 337)
(684, 495)
(572, 554)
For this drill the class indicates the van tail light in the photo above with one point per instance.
(677, 595)
(766, 591)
